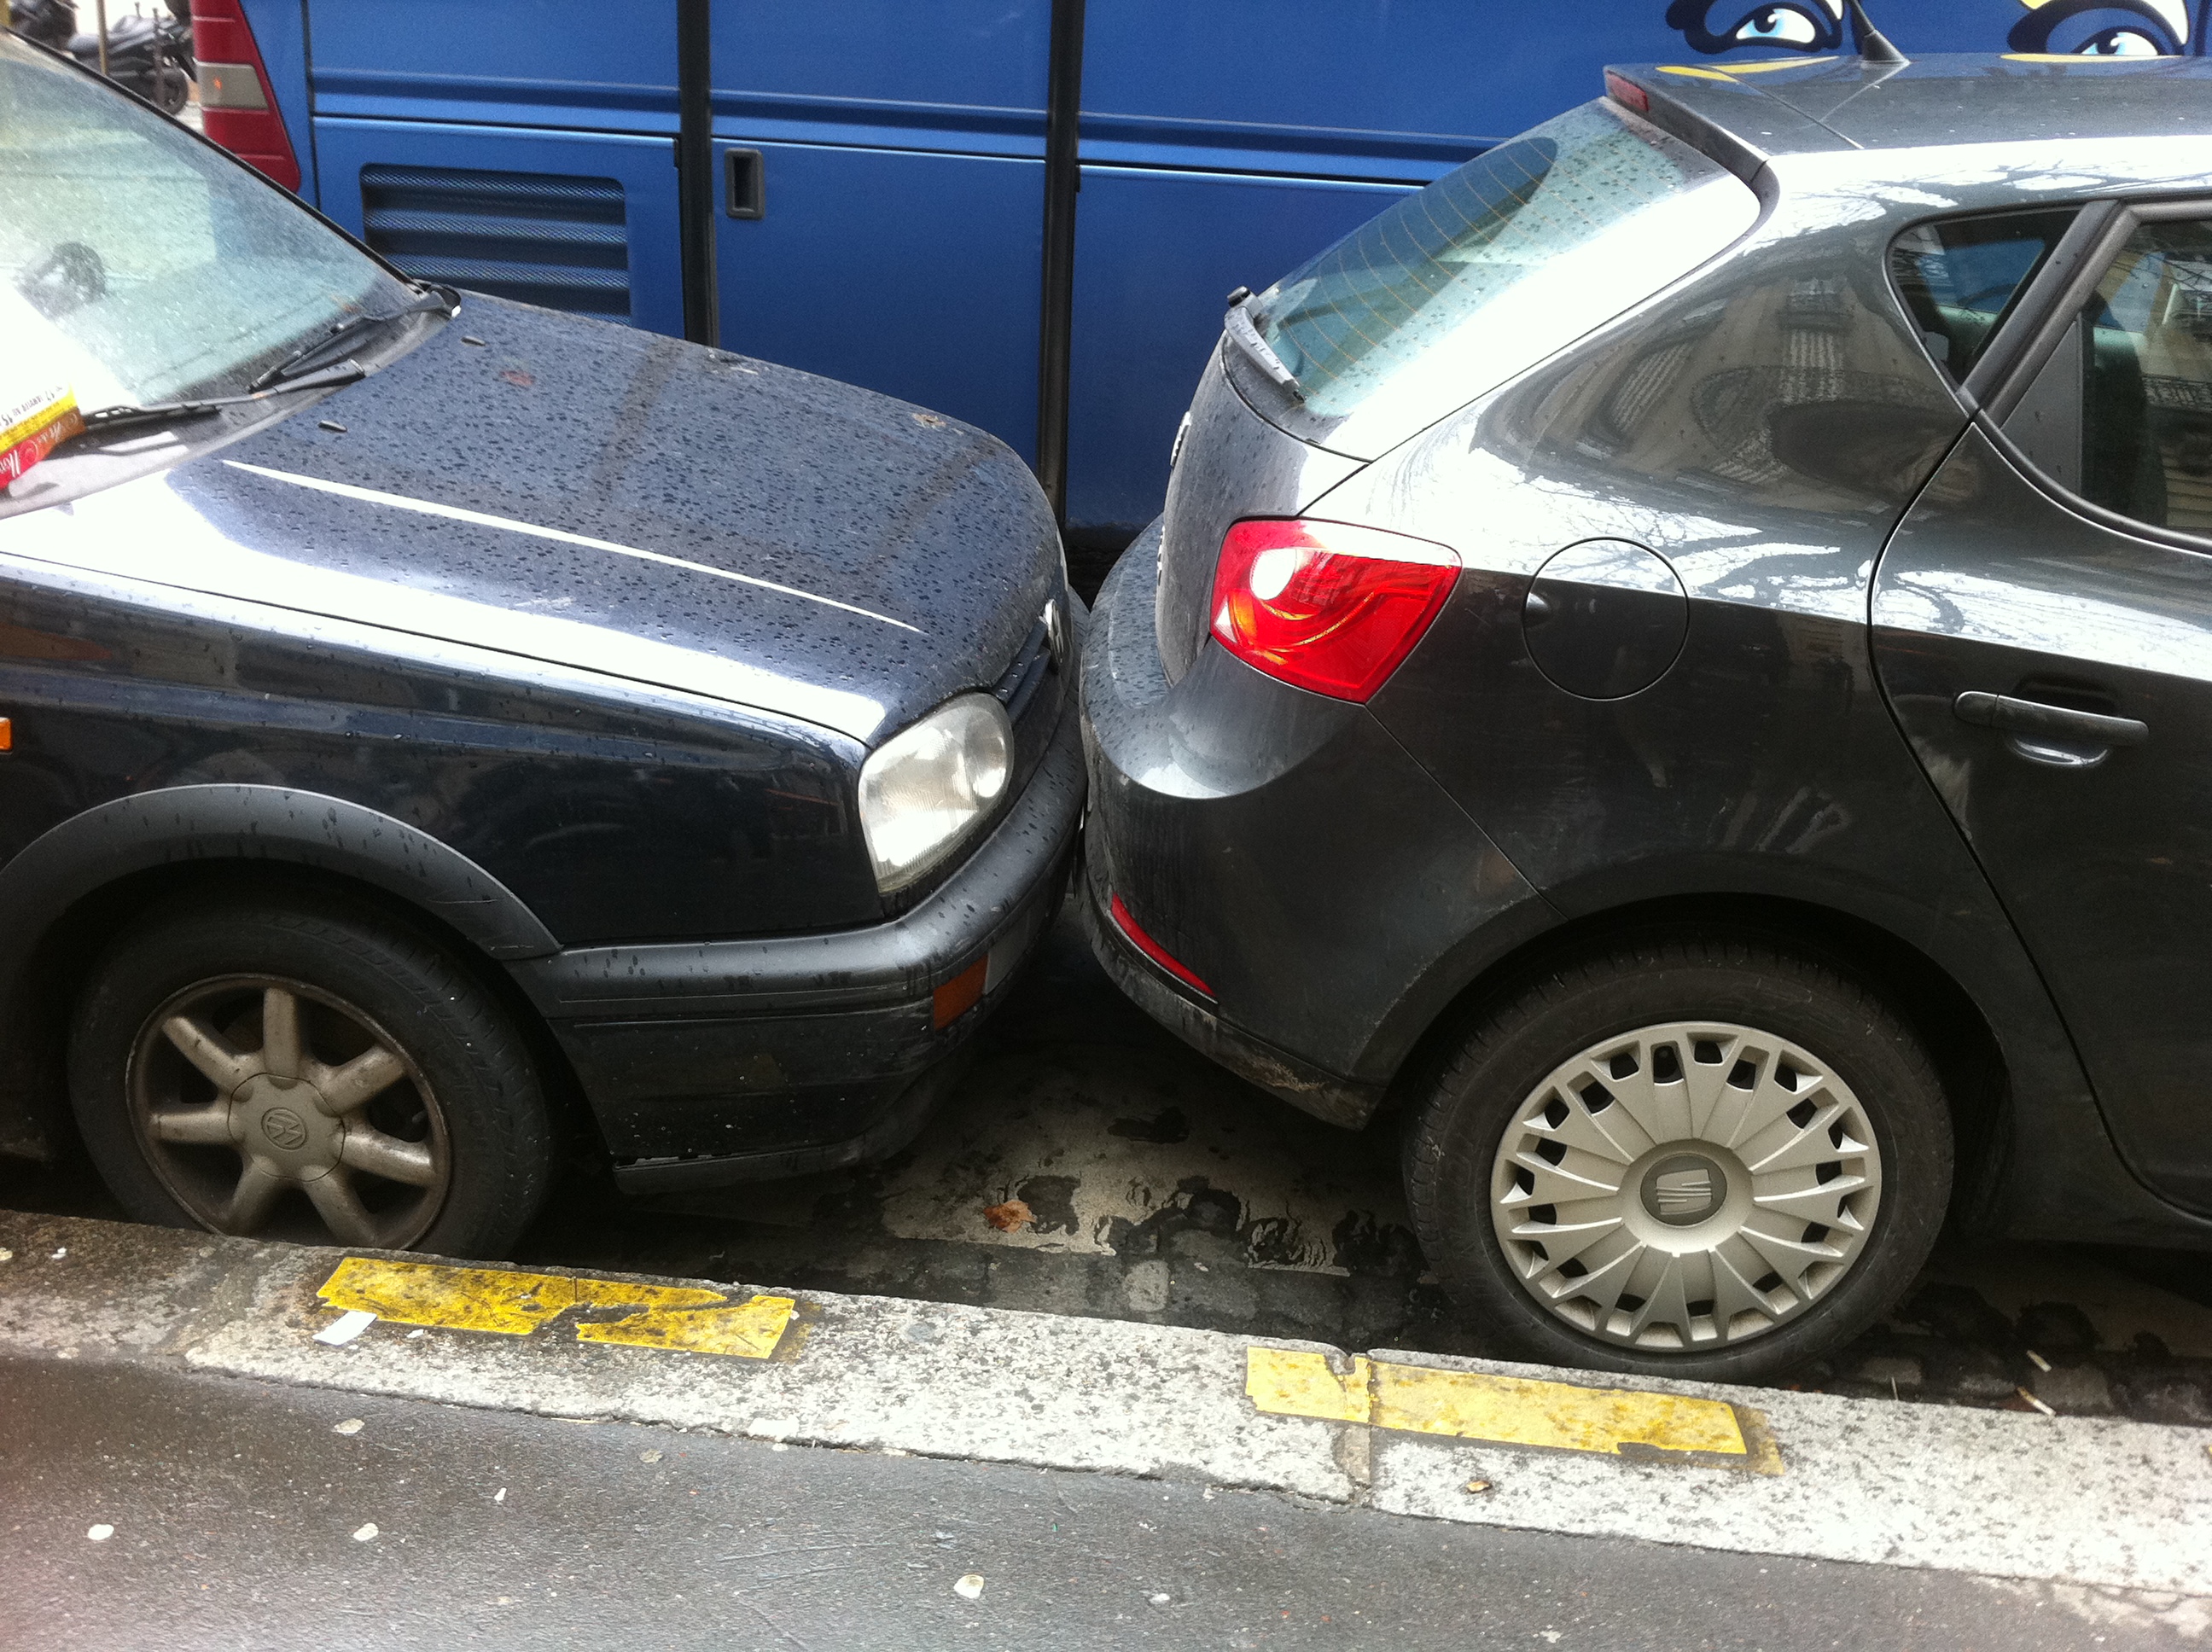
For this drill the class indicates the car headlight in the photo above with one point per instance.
(930, 784)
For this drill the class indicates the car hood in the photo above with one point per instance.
(583, 493)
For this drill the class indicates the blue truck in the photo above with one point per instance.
(1025, 213)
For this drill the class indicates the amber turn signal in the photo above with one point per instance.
(7, 734)
(960, 994)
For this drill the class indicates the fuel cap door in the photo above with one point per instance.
(1604, 618)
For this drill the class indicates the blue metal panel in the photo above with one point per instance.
(1198, 119)
(957, 77)
(1342, 86)
(280, 31)
(914, 274)
(951, 56)
(572, 63)
(902, 149)
(1226, 141)
(538, 238)
(402, 159)
(1334, 85)
(1156, 253)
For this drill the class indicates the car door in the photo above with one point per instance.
(2043, 628)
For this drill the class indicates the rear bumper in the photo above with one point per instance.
(1288, 854)
(715, 1062)
(1340, 1101)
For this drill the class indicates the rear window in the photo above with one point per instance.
(1438, 298)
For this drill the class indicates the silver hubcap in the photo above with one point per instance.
(249, 1089)
(1686, 1186)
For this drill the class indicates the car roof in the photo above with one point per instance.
(1798, 105)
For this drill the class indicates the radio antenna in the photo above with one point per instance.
(1869, 42)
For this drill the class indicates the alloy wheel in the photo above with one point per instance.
(1689, 1184)
(252, 1095)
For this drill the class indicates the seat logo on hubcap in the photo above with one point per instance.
(284, 1127)
(1683, 1190)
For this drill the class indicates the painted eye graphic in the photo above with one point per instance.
(1716, 26)
(2105, 28)
(1782, 24)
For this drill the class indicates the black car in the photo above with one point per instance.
(429, 725)
(1681, 654)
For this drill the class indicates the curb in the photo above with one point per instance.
(2078, 1500)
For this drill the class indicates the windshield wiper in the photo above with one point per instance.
(441, 299)
(118, 419)
(1240, 328)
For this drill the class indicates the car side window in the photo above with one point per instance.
(2141, 355)
(1958, 277)
(2122, 411)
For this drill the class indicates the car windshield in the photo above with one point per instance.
(137, 264)
(1440, 290)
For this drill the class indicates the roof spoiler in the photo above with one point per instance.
(1707, 137)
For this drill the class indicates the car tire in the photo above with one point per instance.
(172, 89)
(1741, 1149)
(306, 1071)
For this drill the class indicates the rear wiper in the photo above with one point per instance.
(1240, 328)
(442, 299)
(119, 418)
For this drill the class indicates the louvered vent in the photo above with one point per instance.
(539, 237)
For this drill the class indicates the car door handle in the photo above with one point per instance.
(2032, 717)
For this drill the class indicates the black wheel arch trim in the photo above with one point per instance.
(214, 825)
(2052, 1170)
(184, 824)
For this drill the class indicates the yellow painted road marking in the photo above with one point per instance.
(1509, 1410)
(686, 1318)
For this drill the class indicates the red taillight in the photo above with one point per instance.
(1326, 605)
(237, 108)
(1627, 93)
(1151, 948)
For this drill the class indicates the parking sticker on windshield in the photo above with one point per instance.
(33, 426)
(684, 1319)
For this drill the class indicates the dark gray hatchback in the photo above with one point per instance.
(427, 726)
(1682, 655)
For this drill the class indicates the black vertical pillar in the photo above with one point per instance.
(695, 168)
(1062, 176)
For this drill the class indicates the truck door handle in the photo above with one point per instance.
(2034, 717)
(745, 178)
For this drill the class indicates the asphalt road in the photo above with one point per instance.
(236, 1507)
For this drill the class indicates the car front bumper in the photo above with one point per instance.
(716, 1062)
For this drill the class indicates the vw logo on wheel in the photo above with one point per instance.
(284, 1127)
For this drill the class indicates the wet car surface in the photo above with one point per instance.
(1732, 783)
(437, 725)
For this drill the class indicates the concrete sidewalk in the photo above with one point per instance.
(2091, 1502)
